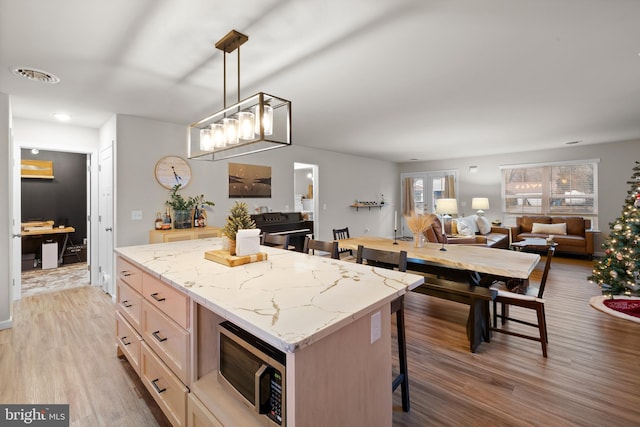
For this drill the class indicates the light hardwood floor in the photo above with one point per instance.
(61, 350)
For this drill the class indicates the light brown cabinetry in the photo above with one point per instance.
(198, 415)
(153, 333)
(166, 389)
(175, 235)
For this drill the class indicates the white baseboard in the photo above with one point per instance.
(6, 324)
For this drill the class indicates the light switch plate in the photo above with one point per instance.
(136, 215)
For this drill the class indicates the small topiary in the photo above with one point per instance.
(238, 219)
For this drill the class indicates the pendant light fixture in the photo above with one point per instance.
(258, 123)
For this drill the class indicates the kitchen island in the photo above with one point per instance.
(331, 318)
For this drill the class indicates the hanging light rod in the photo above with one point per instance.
(258, 123)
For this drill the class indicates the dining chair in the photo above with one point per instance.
(530, 299)
(276, 240)
(392, 260)
(320, 245)
(340, 234)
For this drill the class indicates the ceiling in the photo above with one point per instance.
(390, 79)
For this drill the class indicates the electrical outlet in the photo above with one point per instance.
(136, 215)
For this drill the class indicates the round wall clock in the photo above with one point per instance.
(173, 170)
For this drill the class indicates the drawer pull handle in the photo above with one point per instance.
(158, 389)
(155, 297)
(124, 303)
(126, 273)
(157, 336)
(123, 341)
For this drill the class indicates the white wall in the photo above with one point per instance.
(614, 170)
(5, 217)
(342, 180)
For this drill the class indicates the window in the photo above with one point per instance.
(562, 188)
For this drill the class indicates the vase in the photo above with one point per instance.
(182, 219)
(418, 240)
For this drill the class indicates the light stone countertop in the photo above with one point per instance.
(290, 300)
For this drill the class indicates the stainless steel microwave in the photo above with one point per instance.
(254, 370)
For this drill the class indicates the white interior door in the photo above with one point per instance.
(16, 223)
(105, 220)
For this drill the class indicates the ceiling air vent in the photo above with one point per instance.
(35, 74)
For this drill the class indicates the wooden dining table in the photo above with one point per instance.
(458, 262)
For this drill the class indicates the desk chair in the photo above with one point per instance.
(340, 234)
(319, 245)
(391, 260)
(531, 299)
(276, 240)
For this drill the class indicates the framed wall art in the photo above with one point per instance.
(249, 181)
(36, 169)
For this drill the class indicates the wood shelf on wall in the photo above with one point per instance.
(360, 205)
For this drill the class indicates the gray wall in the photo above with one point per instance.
(342, 180)
(614, 170)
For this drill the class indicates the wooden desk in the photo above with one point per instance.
(459, 262)
(40, 233)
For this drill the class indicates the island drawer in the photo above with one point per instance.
(129, 273)
(169, 340)
(129, 303)
(164, 386)
(129, 341)
(169, 300)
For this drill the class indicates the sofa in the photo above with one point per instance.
(471, 230)
(572, 234)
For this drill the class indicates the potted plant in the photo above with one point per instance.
(238, 219)
(183, 208)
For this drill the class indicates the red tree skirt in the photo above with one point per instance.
(620, 306)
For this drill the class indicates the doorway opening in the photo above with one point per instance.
(54, 228)
(305, 191)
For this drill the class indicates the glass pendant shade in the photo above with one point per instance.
(230, 131)
(217, 129)
(246, 124)
(206, 139)
(267, 120)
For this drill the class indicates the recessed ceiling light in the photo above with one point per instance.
(414, 159)
(35, 74)
(573, 142)
(34, 151)
(63, 117)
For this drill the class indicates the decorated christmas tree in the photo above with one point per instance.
(618, 272)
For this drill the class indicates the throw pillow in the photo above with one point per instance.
(560, 228)
(464, 227)
(483, 225)
(467, 225)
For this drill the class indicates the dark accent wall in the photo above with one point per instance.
(62, 199)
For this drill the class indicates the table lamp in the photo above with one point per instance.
(480, 203)
(446, 207)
